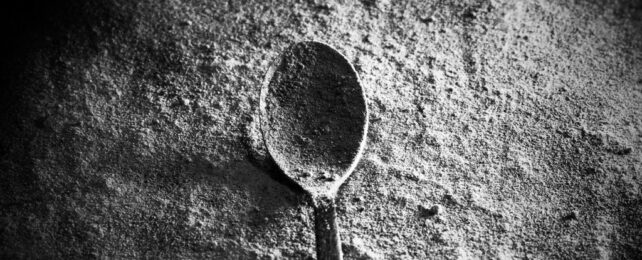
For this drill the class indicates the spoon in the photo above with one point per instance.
(314, 122)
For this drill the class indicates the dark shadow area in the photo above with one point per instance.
(80, 189)
(49, 28)
(265, 162)
(31, 29)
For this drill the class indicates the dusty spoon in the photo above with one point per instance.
(314, 121)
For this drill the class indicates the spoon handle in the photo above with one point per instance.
(327, 230)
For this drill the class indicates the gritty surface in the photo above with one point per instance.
(313, 116)
(129, 129)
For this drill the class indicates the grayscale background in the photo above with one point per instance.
(499, 129)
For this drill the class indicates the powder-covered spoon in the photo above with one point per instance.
(314, 121)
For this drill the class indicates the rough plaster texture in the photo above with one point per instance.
(499, 129)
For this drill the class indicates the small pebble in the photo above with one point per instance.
(185, 101)
(326, 129)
